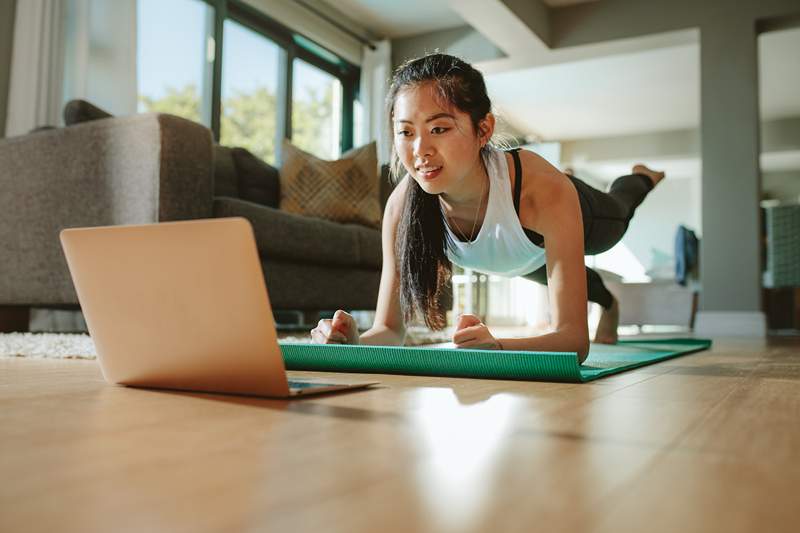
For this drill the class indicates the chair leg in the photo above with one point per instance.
(14, 318)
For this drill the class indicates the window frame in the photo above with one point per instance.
(254, 20)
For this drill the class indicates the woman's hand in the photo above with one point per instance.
(472, 333)
(342, 329)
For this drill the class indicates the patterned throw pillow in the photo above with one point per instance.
(346, 190)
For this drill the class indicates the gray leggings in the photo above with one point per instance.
(606, 216)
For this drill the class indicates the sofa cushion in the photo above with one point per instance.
(258, 181)
(240, 174)
(226, 179)
(77, 111)
(37, 129)
(344, 191)
(291, 237)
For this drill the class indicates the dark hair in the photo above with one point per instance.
(424, 268)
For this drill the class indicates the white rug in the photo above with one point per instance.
(47, 345)
(81, 346)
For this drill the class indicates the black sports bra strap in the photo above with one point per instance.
(534, 237)
(517, 178)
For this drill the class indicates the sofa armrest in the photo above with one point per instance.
(121, 170)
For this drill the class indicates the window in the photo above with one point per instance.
(316, 110)
(253, 81)
(250, 73)
(173, 58)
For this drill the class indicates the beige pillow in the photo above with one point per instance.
(346, 190)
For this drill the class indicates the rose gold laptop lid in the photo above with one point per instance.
(180, 305)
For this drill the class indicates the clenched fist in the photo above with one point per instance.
(341, 329)
(472, 333)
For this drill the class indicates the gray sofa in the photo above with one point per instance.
(156, 167)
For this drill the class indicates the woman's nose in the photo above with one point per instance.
(422, 146)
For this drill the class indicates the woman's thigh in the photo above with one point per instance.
(606, 215)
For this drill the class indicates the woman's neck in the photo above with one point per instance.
(463, 203)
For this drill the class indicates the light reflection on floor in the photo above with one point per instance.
(463, 445)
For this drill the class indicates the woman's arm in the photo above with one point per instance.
(388, 327)
(553, 206)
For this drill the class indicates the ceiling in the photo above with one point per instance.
(400, 19)
(647, 84)
(648, 91)
(617, 95)
(393, 19)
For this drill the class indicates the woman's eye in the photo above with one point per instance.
(403, 133)
(441, 129)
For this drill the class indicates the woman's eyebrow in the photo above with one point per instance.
(432, 117)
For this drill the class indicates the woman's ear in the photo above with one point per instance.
(486, 126)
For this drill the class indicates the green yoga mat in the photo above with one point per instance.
(493, 364)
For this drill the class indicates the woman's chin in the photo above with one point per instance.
(434, 186)
(430, 188)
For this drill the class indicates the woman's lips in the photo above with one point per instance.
(430, 174)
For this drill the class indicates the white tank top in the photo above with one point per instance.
(501, 246)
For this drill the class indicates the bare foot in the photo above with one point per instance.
(607, 327)
(652, 174)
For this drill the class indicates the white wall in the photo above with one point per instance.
(100, 54)
(783, 185)
(651, 233)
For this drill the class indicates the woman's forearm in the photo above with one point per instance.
(557, 341)
(382, 336)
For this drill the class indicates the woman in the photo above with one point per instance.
(464, 201)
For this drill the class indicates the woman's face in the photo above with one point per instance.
(438, 147)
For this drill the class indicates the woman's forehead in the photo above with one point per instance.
(421, 102)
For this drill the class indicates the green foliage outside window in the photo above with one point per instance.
(311, 119)
(249, 119)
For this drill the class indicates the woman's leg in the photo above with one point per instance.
(606, 332)
(596, 289)
(606, 215)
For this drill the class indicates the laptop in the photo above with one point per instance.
(182, 305)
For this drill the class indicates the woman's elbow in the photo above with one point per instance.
(576, 340)
(581, 346)
(583, 352)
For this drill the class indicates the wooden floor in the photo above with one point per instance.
(702, 443)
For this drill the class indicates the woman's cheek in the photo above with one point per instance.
(406, 158)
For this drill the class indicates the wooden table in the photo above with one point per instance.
(706, 442)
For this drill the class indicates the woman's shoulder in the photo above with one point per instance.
(537, 173)
(541, 183)
(532, 163)
(396, 200)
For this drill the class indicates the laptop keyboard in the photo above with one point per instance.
(308, 384)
